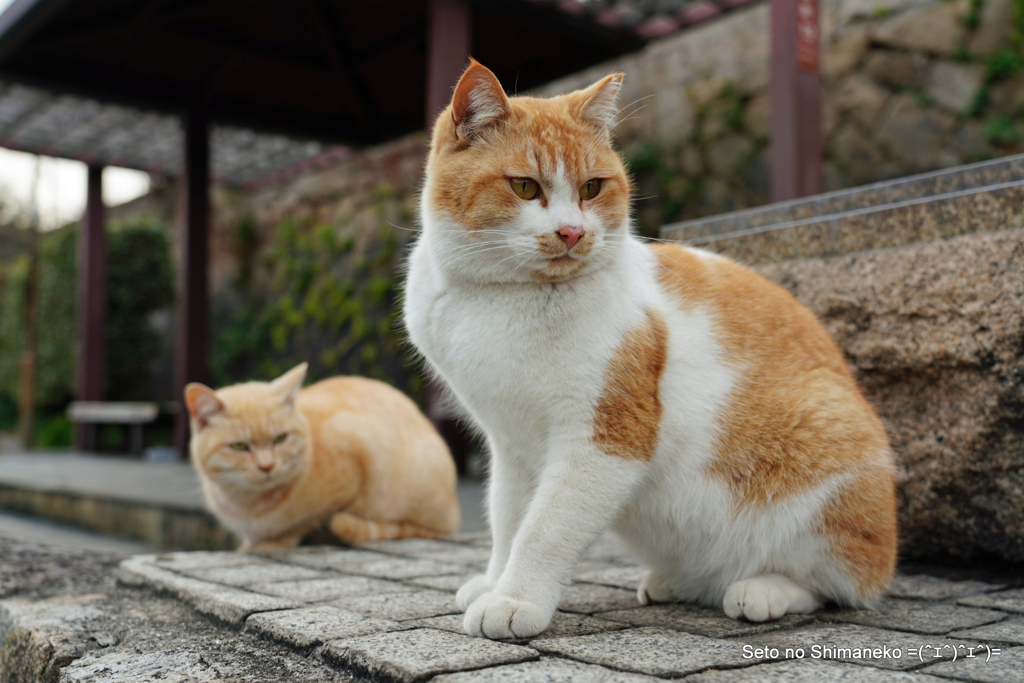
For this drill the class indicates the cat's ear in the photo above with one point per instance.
(202, 403)
(478, 102)
(289, 384)
(598, 102)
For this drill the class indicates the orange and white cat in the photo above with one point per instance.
(277, 461)
(668, 393)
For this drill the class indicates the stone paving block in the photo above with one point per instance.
(1010, 631)
(701, 621)
(308, 627)
(1005, 667)
(244, 575)
(588, 598)
(478, 538)
(916, 616)
(347, 561)
(408, 656)
(658, 652)
(1009, 601)
(619, 577)
(858, 645)
(445, 582)
(426, 549)
(562, 624)
(123, 666)
(229, 604)
(202, 559)
(546, 671)
(380, 565)
(811, 671)
(924, 587)
(322, 590)
(401, 568)
(401, 606)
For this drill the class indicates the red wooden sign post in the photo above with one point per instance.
(796, 144)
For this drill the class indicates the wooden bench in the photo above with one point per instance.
(91, 414)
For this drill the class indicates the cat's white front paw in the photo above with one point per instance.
(495, 616)
(473, 589)
(654, 589)
(770, 596)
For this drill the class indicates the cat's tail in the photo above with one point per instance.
(352, 529)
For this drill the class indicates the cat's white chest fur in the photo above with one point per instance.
(527, 360)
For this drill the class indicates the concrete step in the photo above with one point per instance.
(975, 198)
(158, 503)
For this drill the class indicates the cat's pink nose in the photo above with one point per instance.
(570, 234)
(266, 468)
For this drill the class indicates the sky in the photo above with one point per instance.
(60, 196)
(60, 192)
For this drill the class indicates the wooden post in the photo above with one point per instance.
(193, 309)
(796, 145)
(448, 45)
(92, 303)
(27, 377)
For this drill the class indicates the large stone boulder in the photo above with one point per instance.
(936, 332)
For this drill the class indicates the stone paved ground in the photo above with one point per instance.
(386, 612)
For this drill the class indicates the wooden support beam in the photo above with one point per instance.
(92, 302)
(796, 144)
(448, 45)
(193, 309)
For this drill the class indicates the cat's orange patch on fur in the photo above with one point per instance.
(352, 529)
(796, 418)
(628, 415)
(861, 529)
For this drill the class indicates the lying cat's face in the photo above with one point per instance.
(525, 189)
(248, 436)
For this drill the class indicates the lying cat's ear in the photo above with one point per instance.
(598, 102)
(202, 403)
(289, 384)
(478, 102)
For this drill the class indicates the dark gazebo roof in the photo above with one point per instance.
(103, 81)
(343, 71)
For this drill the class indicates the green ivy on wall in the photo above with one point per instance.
(324, 294)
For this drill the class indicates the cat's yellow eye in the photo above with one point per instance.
(280, 438)
(525, 188)
(239, 446)
(590, 189)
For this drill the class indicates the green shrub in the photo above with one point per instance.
(1004, 64)
(54, 431)
(8, 413)
(139, 282)
(1002, 131)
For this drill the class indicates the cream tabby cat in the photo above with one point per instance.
(670, 394)
(277, 461)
